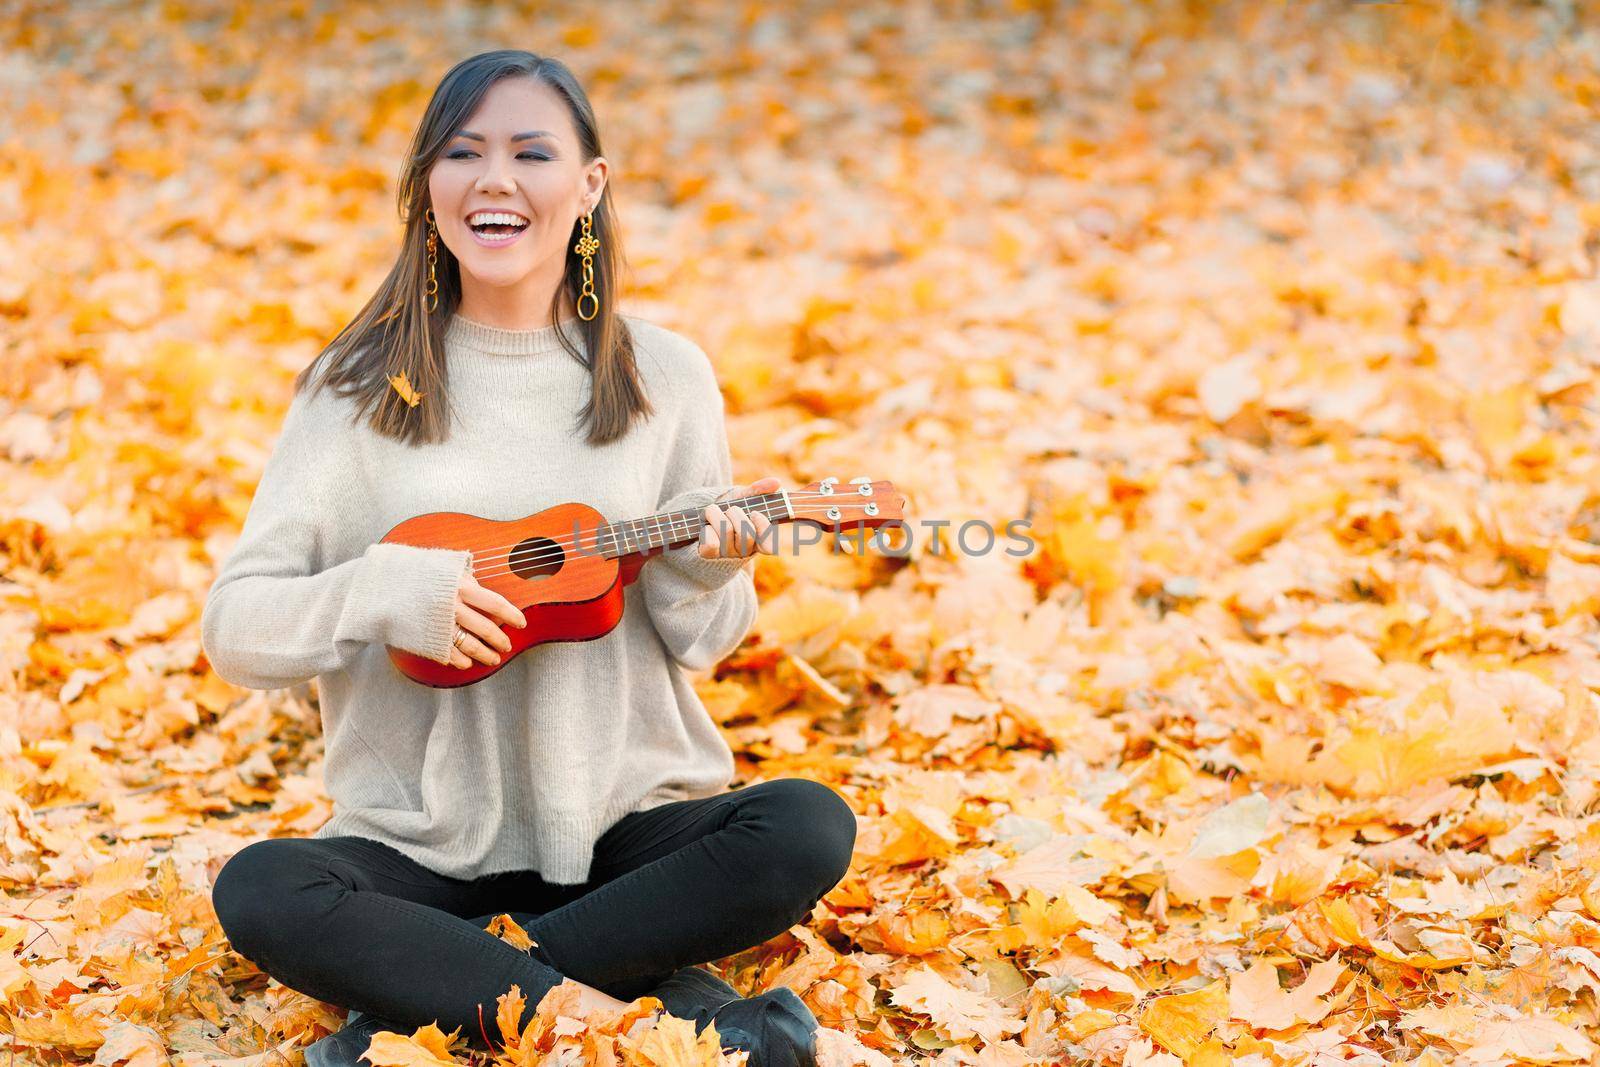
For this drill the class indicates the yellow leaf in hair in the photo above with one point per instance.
(402, 385)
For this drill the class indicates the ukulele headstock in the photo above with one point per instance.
(858, 502)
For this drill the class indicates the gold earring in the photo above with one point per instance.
(586, 247)
(432, 292)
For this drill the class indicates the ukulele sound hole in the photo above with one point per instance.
(537, 557)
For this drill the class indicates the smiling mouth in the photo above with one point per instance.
(505, 221)
(497, 229)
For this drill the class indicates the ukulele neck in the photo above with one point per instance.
(674, 528)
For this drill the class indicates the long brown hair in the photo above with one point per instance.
(395, 333)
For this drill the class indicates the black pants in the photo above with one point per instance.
(358, 924)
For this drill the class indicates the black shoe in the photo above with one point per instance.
(694, 993)
(343, 1047)
(776, 1028)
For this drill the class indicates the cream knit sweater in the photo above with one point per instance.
(528, 767)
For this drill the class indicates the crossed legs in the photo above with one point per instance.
(358, 924)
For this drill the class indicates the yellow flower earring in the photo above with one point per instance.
(432, 291)
(586, 247)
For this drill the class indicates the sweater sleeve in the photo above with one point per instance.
(274, 618)
(702, 608)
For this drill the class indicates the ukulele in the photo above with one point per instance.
(565, 567)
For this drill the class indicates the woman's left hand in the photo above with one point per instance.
(735, 533)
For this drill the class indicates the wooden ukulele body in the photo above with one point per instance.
(567, 595)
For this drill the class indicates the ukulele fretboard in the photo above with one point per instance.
(673, 528)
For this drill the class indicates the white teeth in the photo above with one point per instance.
(492, 218)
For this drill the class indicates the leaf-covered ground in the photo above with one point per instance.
(1279, 323)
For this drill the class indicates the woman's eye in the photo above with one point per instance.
(462, 153)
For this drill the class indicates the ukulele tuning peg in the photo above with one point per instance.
(827, 485)
(863, 485)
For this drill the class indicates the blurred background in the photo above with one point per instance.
(1278, 322)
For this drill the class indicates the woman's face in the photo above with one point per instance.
(542, 179)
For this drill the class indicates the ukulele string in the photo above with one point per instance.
(768, 507)
(590, 543)
(616, 539)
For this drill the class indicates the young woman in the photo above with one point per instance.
(583, 787)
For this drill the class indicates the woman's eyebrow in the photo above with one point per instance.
(530, 135)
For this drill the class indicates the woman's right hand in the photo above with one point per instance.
(480, 612)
